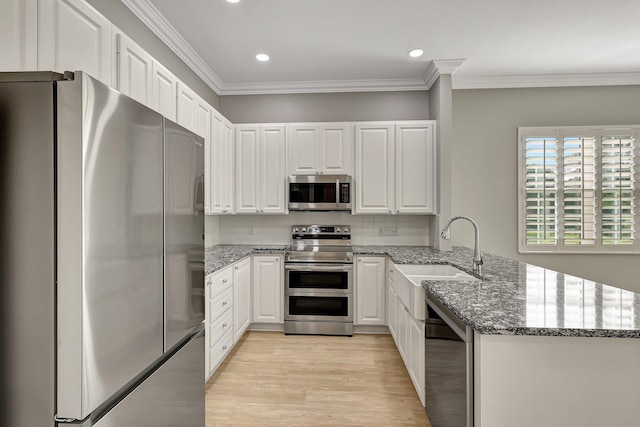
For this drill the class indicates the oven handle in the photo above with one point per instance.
(316, 267)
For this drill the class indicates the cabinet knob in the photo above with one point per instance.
(224, 280)
(224, 303)
(405, 309)
(390, 211)
(224, 347)
(224, 325)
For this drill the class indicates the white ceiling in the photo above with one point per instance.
(327, 45)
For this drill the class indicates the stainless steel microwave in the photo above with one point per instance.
(320, 193)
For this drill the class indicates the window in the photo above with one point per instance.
(579, 189)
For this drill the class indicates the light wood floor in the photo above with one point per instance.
(271, 379)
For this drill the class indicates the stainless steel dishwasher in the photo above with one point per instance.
(448, 368)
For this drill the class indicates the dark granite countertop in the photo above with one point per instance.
(220, 256)
(515, 298)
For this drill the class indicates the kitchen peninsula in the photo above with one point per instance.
(549, 348)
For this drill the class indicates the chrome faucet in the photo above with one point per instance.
(477, 256)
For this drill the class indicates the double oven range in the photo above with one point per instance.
(319, 281)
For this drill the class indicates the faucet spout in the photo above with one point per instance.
(477, 255)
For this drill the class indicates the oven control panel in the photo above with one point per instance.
(320, 230)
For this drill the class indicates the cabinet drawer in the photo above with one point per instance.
(220, 349)
(221, 325)
(220, 281)
(221, 303)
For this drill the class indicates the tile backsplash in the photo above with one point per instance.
(276, 229)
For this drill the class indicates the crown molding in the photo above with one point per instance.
(166, 32)
(162, 28)
(324, 86)
(545, 80)
(437, 67)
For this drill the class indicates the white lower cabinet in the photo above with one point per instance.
(218, 318)
(392, 313)
(241, 297)
(268, 289)
(408, 333)
(370, 291)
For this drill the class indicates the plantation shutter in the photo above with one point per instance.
(579, 189)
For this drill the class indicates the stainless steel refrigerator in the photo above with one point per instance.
(101, 248)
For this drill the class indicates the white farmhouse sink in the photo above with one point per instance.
(406, 281)
(418, 273)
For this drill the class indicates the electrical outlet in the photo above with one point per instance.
(251, 233)
(387, 231)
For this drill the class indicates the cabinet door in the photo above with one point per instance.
(74, 36)
(303, 149)
(216, 160)
(228, 167)
(335, 148)
(134, 70)
(374, 168)
(19, 33)
(186, 107)
(273, 175)
(392, 313)
(247, 169)
(241, 297)
(415, 354)
(164, 89)
(203, 128)
(268, 289)
(415, 168)
(403, 330)
(370, 291)
(207, 326)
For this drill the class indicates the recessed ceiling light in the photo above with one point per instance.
(416, 53)
(262, 57)
(233, 1)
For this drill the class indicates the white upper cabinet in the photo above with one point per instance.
(222, 165)
(260, 169)
(374, 171)
(164, 89)
(187, 107)
(203, 128)
(320, 148)
(415, 167)
(228, 168)
(273, 176)
(73, 36)
(247, 169)
(304, 150)
(336, 147)
(19, 33)
(134, 70)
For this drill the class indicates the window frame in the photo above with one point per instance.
(559, 133)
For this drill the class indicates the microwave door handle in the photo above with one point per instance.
(337, 192)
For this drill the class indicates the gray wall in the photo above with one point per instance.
(484, 172)
(116, 12)
(326, 107)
